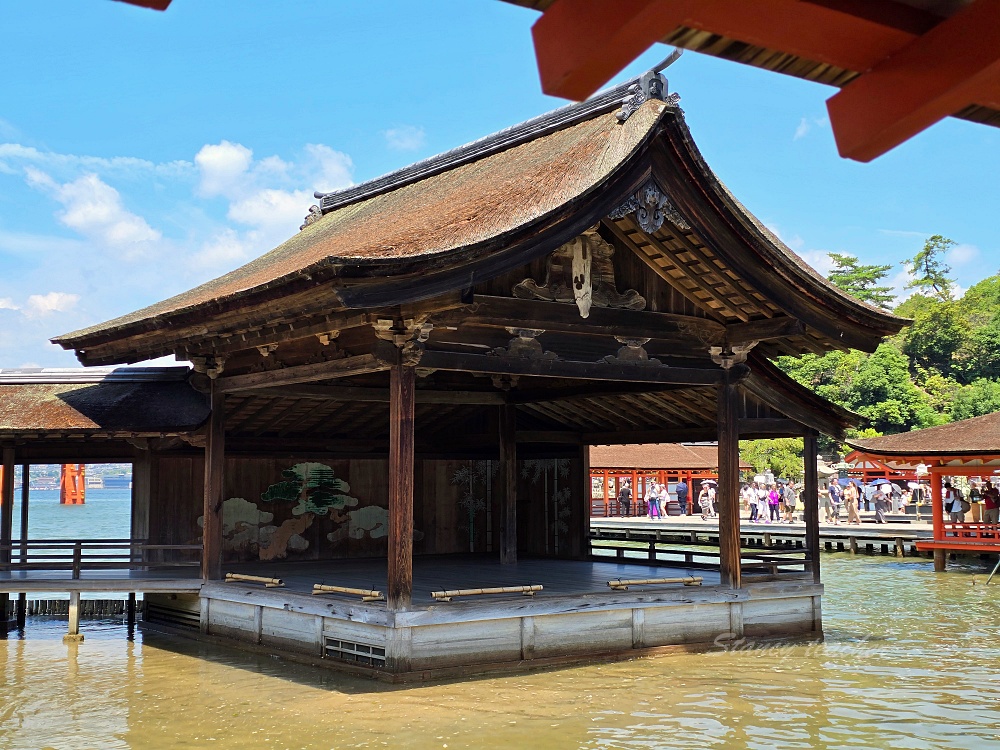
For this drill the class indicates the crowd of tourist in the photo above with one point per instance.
(777, 501)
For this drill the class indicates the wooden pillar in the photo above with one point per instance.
(508, 483)
(937, 521)
(607, 498)
(7, 504)
(810, 498)
(73, 633)
(728, 494)
(25, 492)
(580, 545)
(402, 384)
(215, 465)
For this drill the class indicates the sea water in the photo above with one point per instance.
(911, 660)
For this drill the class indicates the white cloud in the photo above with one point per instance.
(45, 304)
(95, 210)
(405, 137)
(802, 130)
(959, 255)
(16, 153)
(267, 207)
(806, 125)
(6, 303)
(904, 233)
(227, 249)
(330, 169)
(223, 168)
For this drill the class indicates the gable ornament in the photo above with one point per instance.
(652, 207)
(581, 272)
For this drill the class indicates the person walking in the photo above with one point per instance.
(652, 501)
(682, 495)
(663, 499)
(790, 498)
(953, 503)
(836, 497)
(762, 506)
(749, 498)
(625, 500)
(991, 503)
(774, 503)
(881, 505)
(704, 502)
(851, 503)
(711, 500)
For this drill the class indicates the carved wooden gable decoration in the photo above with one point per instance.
(581, 272)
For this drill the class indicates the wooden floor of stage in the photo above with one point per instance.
(440, 573)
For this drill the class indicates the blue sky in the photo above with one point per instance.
(142, 153)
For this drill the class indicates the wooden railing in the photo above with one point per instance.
(77, 555)
(973, 531)
(761, 561)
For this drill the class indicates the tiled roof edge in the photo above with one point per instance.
(65, 375)
(564, 117)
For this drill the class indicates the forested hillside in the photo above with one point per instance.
(943, 367)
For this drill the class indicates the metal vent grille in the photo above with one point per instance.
(361, 653)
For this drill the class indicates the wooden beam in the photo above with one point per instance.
(503, 312)
(754, 428)
(215, 463)
(955, 64)
(569, 369)
(379, 395)
(402, 384)
(640, 437)
(508, 484)
(7, 502)
(582, 44)
(532, 395)
(335, 368)
(810, 502)
(763, 330)
(728, 492)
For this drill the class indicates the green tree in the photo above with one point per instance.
(938, 331)
(859, 280)
(980, 397)
(884, 393)
(929, 270)
(978, 356)
(783, 456)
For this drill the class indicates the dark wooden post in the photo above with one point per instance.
(7, 504)
(810, 498)
(729, 484)
(402, 383)
(25, 492)
(215, 465)
(508, 473)
(580, 545)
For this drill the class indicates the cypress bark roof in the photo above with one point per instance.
(486, 208)
(148, 401)
(976, 436)
(669, 456)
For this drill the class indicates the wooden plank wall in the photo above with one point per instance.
(551, 504)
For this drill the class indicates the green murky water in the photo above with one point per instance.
(911, 660)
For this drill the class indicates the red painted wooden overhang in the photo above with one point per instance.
(919, 61)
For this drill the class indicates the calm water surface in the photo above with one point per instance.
(910, 661)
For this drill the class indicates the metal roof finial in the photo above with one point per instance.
(651, 85)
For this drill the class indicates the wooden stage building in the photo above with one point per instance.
(403, 395)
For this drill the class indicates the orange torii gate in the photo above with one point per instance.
(73, 484)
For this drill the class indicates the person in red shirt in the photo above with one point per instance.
(991, 503)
